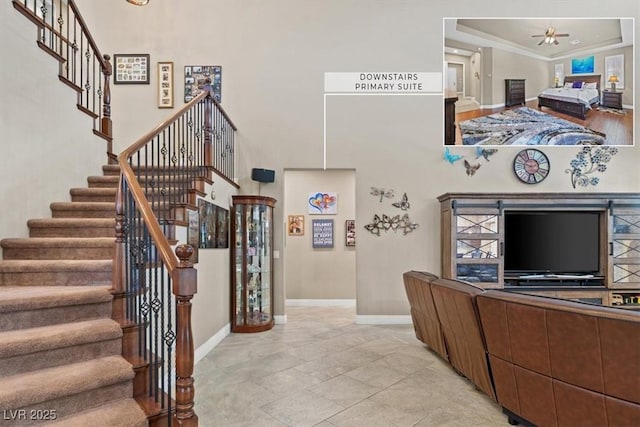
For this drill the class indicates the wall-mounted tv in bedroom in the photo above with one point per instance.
(551, 242)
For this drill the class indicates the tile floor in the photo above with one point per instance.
(321, 369)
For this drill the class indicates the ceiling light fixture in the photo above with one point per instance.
(138, 2)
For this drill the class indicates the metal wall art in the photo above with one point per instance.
(469, 167)
(385, 222)
(403, 204)
(450, 157)
(389, 194)
(588, 161)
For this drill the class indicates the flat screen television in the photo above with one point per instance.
(551, 242)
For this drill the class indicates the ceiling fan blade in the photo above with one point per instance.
(562, 35)
(541, 41)
(556, 42)
(538, 35)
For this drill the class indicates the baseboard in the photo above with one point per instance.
(383, 319)
(321, 302)
(280, 319)
(211, 343)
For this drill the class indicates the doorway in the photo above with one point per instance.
(455, 78)
(324, 274)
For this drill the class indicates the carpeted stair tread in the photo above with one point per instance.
(83, 209)
(120, 413)
(31, 388)
(58, 242)
(68, 222)
(55, 272)
(58, 248)
(19, 298)
(72, 227)
(104, 181)
(74, 265)
(87, 190)
(33, 340)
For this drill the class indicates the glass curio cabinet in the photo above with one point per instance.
(252, 264)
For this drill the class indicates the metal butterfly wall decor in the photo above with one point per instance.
(386, 223)
(403, 203)
(485, 152)
(451, 158)
(471, 169)
(390, 194)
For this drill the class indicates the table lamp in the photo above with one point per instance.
(613, 79)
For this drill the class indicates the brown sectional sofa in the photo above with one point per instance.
(563, 363)
(423, 311)
(546, 361)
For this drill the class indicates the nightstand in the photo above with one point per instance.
(611, 99)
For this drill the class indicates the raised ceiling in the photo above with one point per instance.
(515, 34)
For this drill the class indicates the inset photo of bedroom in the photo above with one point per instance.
(538, 81)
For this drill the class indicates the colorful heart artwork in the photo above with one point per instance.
(323, 203)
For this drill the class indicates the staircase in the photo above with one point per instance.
(60, 350)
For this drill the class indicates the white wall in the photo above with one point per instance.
(321, 273)
(274, 54)
(41, 130)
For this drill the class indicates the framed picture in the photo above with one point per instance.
(295, 225)
(195, 77)
(131, 69)
(322, 233)
(165, 84)
(322, 203)
(350, 232)
(213, 226)
(584, 65)
(193, 233)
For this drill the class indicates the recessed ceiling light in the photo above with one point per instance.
(455, 50)
(574, 41)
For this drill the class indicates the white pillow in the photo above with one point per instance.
(568, 85)
(589, 86)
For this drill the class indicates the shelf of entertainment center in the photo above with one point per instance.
(546, 281)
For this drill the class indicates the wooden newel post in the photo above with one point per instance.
(106, 124)
(117, 277)
(185, 283)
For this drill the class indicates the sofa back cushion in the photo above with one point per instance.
(426, 324)
(456, 307)
(560, 362)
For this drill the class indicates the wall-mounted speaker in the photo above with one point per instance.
(263, 175)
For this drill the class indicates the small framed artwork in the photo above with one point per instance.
(322, 203)
(295, 225)
(165, 84)
(322, 233)
(350, 232)
(195, 78)
(193, 233)
(131, 69)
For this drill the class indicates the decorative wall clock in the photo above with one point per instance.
(531, 166)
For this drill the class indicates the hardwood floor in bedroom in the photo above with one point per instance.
(617, 127)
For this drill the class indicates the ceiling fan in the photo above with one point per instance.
(550, 36)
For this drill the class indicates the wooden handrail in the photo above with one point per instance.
(85, 30)
(162, 126)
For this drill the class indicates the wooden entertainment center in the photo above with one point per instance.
(473, 243)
